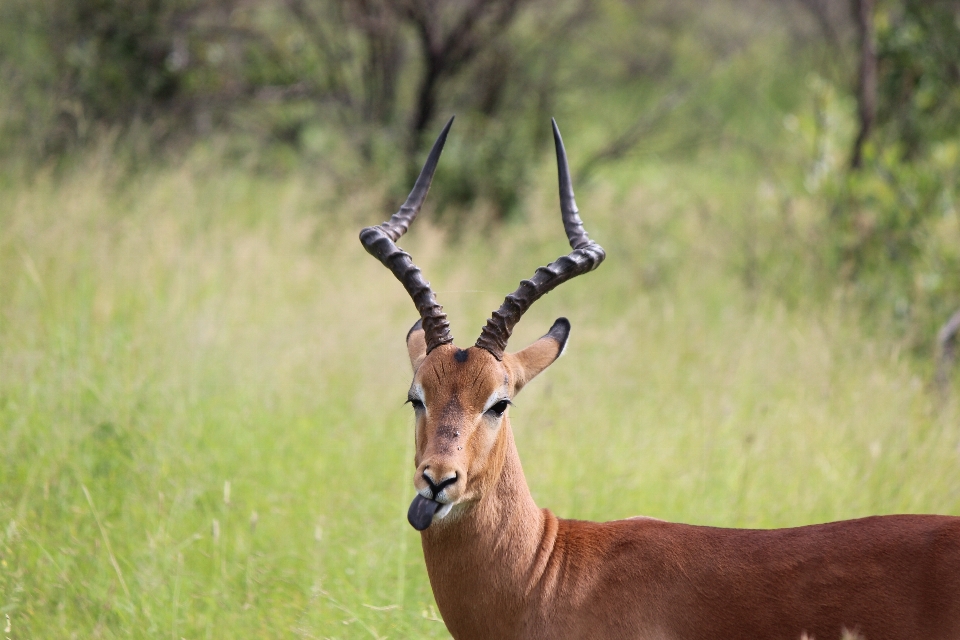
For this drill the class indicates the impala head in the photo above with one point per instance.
(461, 396)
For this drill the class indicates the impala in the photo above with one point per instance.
(500, 567)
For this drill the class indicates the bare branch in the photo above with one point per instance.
(624, 143)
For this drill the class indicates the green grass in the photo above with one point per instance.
(199, 326)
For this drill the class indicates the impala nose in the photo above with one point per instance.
(435, 487)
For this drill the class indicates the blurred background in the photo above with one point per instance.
(197, 356)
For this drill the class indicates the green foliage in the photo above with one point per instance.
(121, 56)
(894, 221)
(897, 237)
(279, 74)
(918, 45)
(373, 81)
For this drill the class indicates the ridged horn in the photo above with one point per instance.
(586, 256)
(380, 242)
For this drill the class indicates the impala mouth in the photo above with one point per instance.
(421, 512)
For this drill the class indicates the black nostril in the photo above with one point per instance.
(446, 483)
(436, 488)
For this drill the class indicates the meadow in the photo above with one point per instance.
(202, 378)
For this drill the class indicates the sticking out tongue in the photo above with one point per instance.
(421, 512)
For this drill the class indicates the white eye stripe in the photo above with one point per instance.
(494, 398)
(416, 393)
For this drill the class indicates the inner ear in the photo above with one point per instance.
(416, 344)
(525, 365)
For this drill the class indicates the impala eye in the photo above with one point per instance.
(498, 409)
(417, 404)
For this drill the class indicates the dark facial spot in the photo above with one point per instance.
(461, 356)
(447, 431)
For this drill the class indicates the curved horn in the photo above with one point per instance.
(380, 242)
(586, 256)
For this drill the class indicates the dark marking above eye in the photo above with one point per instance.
(461, 356)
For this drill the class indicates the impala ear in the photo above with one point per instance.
(416, 344)
(528, 363)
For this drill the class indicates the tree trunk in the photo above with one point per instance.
(946, 350)
(867, 81)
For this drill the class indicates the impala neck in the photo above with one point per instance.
(484, 563)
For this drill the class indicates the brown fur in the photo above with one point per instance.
(502, 568)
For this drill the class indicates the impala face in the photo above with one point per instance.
(460, 399)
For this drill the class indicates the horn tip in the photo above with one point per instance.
(558, 140)
(439, 144)
(556, 128)
(447, 126)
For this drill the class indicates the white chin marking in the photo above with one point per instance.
(442, 512)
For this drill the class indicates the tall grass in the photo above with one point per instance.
(202, 377)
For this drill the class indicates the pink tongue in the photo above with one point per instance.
(421, 512)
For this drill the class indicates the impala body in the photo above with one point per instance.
(500, 567)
